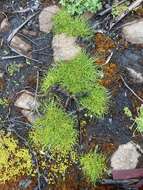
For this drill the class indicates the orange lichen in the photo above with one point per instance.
(103, 43)
(110, 74)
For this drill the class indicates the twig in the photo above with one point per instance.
(110, 8)
(108, 59)
(130, 8)
(22, 55)
(14, 32)
(26, 37)
(11, 57)
(131, 90)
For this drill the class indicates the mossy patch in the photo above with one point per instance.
(97, 101)
(93, 166)
(64, 23)
(55, 130)
(77, 75)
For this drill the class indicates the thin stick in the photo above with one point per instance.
(11, 57)
(131, 90)
(22, 55)
(108, 59)
(14, 32)
(130, 8)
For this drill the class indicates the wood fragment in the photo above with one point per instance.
(127, 174)
(133, 92)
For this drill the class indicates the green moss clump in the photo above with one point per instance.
(77, 75)
(93, 166)
(14, 161)
(55, 131)
(64, 23)
(97, 101)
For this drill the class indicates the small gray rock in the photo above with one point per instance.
(126, 157)
(45, 18)
(20, 45)
(5, 25)
(133, 32)
(65, 47)
(27, 103)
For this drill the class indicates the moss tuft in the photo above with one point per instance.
(97, 101)
(55, 131)
(93, 166)
(77, 75)
(64, 23)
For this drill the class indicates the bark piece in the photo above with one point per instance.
(127, 174)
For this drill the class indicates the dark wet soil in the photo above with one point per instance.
(108, 133)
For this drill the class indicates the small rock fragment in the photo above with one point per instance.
(27, 103)
(45, 18)
(137, 77)
(65, 47)
(5, 25)
(20, 45)
(29, 115)
(133, 32)
(129, 62)
(126, 157)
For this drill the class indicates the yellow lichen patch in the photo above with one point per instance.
(14, 161)
(57, 166)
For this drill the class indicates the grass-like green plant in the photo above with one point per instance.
(97, 101)
(14, 161)
(93, 166)
(77, 75)
(120, 9)
(55, 130)
(64, 23)
(80, 6)
(139, 120)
